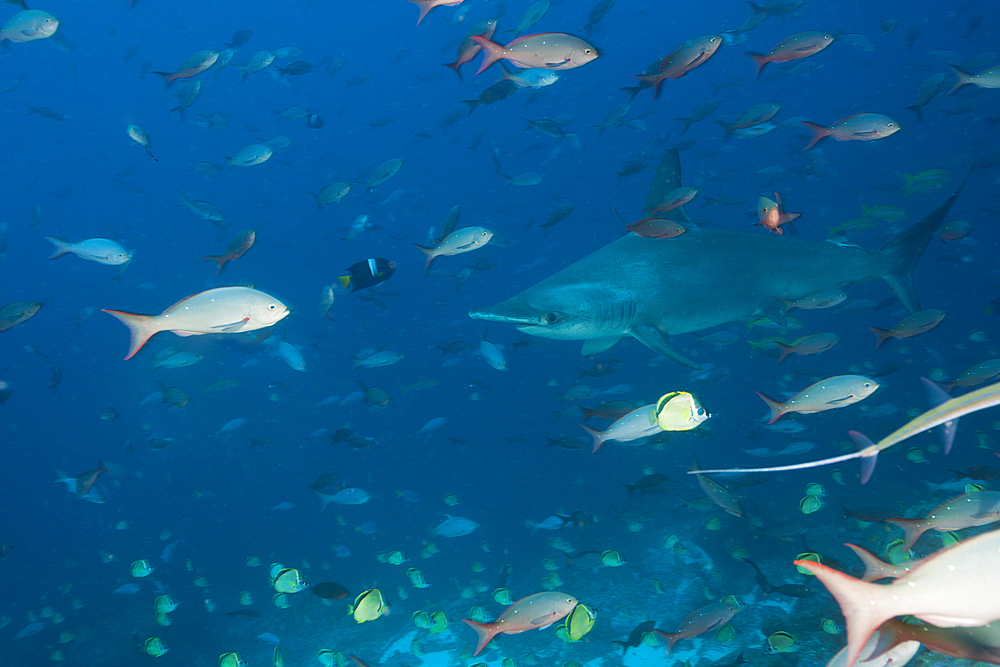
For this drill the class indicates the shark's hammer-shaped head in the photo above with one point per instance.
(565, 312)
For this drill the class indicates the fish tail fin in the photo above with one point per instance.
(913, 529)
(874, 567)
(862, 617)
(785, 350)
(141, 328)
(818, 133)
(60, 247)
(868, 461)
(455, 65)
(168, 78)
(220, 261)
(777, 408)
(486, 631)
(761, 61)
(319, 204)
(916, 108)
(100, 467)
(596, 435)
(963, 78)
(491, 52)
(905, 251)
(427, 251)
(670, 637)
(881, 335)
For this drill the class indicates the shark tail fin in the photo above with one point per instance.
(905, 251)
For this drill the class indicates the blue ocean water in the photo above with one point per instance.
(378, 83)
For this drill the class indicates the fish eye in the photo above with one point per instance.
(271, 306)
(551, 318)
(701, 411)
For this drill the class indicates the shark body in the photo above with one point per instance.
(650, 288)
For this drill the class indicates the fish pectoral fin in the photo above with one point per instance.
(656, 340)
(593, 346)
(837, 401)
(234, 326)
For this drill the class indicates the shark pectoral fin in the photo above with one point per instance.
(656, 340)
(593, 346)
(775, 311)
(901, 285)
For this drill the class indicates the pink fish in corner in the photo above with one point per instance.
(956, 587)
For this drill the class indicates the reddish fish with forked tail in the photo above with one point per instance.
(831, 393)
(955, 587)
(214, 311)
(915, 324)
(237, 248)
(859, 127)
(85, 481)
(534, 612)
(698, 622)
(427, 5)
(797, 46)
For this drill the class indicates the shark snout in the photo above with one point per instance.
(494, 316)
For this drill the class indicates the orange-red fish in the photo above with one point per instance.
(193, 66)
(688, 55)
(954, 587)
(814, 344)
(772, 216)
(85, 481)
(554, 50)
(237, 248)
(797, 46)
(467, 49)
(700, 621)
(859, 127)
(915, 324)
(427, 5)
(529, 613)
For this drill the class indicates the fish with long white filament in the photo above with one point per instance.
(946, 413)
(216, 311)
